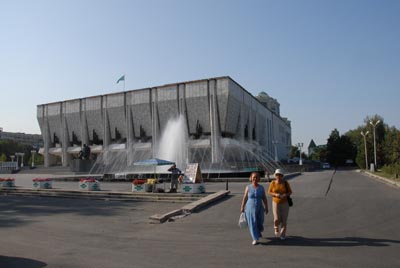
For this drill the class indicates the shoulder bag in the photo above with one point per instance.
(289, 199)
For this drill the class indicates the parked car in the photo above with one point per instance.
(326, 165)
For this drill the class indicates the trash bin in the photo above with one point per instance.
(148, 187)
(372, 167)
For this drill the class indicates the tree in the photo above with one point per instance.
(351, 145)
(294, 151)
(9, 147)
(339, 149)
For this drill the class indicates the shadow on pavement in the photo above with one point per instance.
(11, 262)
(330, 242)
(11, 208)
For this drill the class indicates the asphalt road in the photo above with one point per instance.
(354, 225)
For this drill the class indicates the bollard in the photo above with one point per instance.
(226, 185)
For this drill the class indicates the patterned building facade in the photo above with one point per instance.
(217, 111)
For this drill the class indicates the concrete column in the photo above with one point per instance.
(251, 122)
(65, 158)
(183, 111)
(48, 159)
(65, 140)
(84, 126)
(155, 121)
(46, 138)
(106, 125)
(130, 134)
(214, 120)
(242, 123)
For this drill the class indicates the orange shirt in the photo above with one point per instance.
(279, 188)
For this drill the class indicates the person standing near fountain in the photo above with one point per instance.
(174, 178)
(252, 205)
(280, 189)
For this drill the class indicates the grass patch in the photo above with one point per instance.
(386, 175)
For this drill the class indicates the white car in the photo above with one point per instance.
(326, 165)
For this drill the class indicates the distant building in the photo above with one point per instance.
(311, 147)
(219, 113)
(29, 139)
(269, 102)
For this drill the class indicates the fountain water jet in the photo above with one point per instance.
(174, 141)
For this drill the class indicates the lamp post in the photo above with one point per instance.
(33, 152)
(374, 125)
(22, 159)
(300, 145)
(365, 144)
(276, 150)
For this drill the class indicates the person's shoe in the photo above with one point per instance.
(255, 242)
(276, 232)
(283, 237)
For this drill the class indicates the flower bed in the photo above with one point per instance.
(7, 182)
(42, 183)
(138, 181)
(193, 188)
(89, 184)
(138, 185)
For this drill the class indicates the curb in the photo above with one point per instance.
(103, 195)
(263, 179)
(190, 208)
(382, 179)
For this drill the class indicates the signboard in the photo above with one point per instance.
(193, 173)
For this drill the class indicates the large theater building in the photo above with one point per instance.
(217, 112)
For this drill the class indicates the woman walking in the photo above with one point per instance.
(252, 205)
(280, 189)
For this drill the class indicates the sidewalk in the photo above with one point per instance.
(383, 179)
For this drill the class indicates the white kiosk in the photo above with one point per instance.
(193, 180)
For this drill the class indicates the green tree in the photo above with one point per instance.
(294, 151)
(339, 149)
(9, 147)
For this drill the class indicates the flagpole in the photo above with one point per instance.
(124, 82)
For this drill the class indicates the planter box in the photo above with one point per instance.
(42, 183)
(138, 188)
(193, 188)
(89, 185)
(7, 183)
(153, 187)
(148, 187)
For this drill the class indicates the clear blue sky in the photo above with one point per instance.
(330, 63)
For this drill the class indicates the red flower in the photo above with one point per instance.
(138, 181)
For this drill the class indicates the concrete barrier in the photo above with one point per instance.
(190, 208)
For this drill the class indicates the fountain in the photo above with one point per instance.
(237, 156)
(173, 144)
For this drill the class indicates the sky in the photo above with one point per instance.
(329, 63)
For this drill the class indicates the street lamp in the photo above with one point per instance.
(276, 150)
(365, 144)
(33, 152)
(374, 125)
(300, 145)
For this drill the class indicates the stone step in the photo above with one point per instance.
(103, 195)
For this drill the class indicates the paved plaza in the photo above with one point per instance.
(355, 224)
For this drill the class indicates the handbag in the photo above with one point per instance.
(242, 221)
(289, 199)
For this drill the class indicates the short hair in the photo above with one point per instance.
(255, 173)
